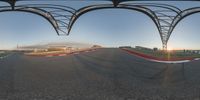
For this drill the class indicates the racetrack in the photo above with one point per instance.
(104, 74)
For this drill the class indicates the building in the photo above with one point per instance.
(142, 48)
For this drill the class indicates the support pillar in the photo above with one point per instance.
(164, 44)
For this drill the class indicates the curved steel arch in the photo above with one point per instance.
(51, 22)
(98, 7)
(162, 25)
(57, 15)
(62, 17)
(163, 20)
(185, 13)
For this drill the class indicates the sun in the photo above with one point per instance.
(169, 49)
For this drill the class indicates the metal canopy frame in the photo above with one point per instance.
(62, 18)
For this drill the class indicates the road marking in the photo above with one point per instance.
(170, 62)
(197, 59)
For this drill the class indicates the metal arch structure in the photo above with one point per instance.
(58, 15)
(157, 12)
(63, 17)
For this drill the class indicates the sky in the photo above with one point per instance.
(109, 28)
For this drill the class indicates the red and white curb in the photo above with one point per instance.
(166, 61)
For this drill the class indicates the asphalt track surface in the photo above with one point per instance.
(104, 74)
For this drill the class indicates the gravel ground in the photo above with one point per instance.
(105, 74)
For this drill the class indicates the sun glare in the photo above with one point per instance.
(169, 49)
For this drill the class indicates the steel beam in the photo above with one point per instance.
(62, 18)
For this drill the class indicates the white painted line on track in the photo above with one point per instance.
(197, 59)
(170, 62)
